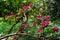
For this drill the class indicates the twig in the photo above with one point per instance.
(22, 34)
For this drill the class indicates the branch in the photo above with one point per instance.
(14, 25)
(22, 34)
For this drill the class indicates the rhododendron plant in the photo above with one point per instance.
(29, 19)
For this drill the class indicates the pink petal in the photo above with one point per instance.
(30, 4)
(39, 30)
(42, 24)
(55, 29)
(46, 22)
(39, 17)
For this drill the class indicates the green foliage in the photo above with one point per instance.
(9, 7)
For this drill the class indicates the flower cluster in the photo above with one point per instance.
(26, 7)
(45, 21)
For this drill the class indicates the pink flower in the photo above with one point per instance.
(27, 25)
(42, 24)
(39, 17)
(21, 28)
(26, 7)
(30, 4)
(26, 22)
(15, 36)
(39, 30)
(33, 24)
(46, 22)
(11, 15)
(55, 29)
(47, 18)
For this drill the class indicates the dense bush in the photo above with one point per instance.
(29, 19)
